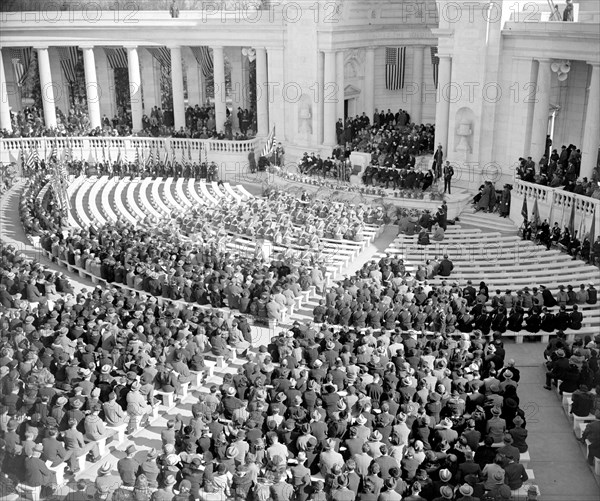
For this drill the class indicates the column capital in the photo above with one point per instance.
(216, 47)
(443, 55)
(84, 47)
(173, 46)
(131, 47)
(41, 46)
(544, 60)
(594, 64)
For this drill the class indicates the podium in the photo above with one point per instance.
(359, 161)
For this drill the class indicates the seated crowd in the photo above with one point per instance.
(317, 414)
(387, 407)
(185, 258)
(575, 368)
(563, 240)
(560, 170)
(384, 294)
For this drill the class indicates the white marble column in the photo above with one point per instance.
(318, 96)
(5, 122)
(220, 90)
(442, 110)
(60, 85)
(329, 97)
(416, 114)
(539, 128)
(47, 88)
(150, 81)
(194, 78)
(177, 86)
(280, 99)
(339, 62)
(106, 83)
(234, 54)
(12, 88)
(369, 88)
(591, 130)
(135, 88)
(245, 82)
(91, 86)
(262, 92)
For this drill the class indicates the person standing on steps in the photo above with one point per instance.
(448, 173)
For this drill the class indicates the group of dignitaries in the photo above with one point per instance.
(393, 143)
(319, 413)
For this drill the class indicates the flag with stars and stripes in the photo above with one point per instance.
(137, 156)
(162, 55)
(166, 160)
(150, 159)
(204, 59)
(32, 158)
(116, 57)
(69, 57)
(269, 146)
(21, 60)
(53, 153)
(395, 67)
(435, 62)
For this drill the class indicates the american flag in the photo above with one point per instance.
(53, 153)
(69, 57)
(162, 55)
(435, 61)
(150, 159)
(395, 66)
(269, 146)
(68, 153)
(117, 57)
(32, 158)
(137, 156)
(21, 60)
(204, 59)
(166, 160)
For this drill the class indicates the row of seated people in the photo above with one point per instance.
(577, 367)
(565, 240)
(382, 413)
(398, 178)
(385, 295)
(336, 167)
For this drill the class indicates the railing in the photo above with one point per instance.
(81, 147)
(555, 204)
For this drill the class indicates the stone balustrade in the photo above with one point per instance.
(102, 147)
(554, 203)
